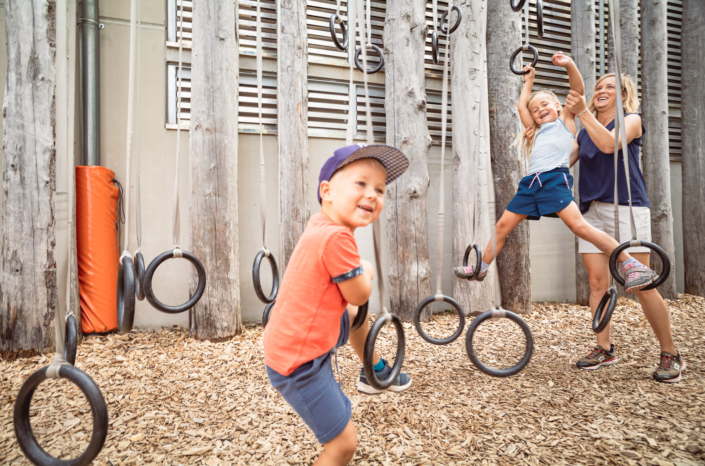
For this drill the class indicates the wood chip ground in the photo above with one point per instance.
(173, 400)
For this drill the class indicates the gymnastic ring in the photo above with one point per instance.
(441, 341)
(368, 355)
(126, 294)
(139, 275)
(71, 340)
(517, 6)
(371, 70)
(267, 313)
(23, 428)
(539, 17)
(334, 18)
(532, 49)
(499, 313)
(149, 277)
(478, 266)
(361, 316)
(256, 280)
(636, 243)
(599, 323)
(443, 29)
(435, 49)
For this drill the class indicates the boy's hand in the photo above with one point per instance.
(559, 59)
(367, 268)
(575, 102)
(529, 77)
(529, 132)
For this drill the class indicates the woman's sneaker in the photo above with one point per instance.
(638, 277)
(402, 383)
(466, 273)
(597, 358)
(670, 369)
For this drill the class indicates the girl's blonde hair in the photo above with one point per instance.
(629, 94)
(527, 144)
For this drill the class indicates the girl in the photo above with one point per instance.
(547, 190)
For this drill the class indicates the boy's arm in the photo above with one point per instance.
(357, 291)
(524, 113)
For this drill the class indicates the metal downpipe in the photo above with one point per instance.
(89, 32)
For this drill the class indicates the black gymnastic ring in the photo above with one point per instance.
(368, 355)
(518, 6)
(149, 276)
(139, 275)
(435, 49)
(23, 428)
(334, 18)
(599, 323)
(71, 340)
(478, 266)
(371, 70)
(126, 295)
(442, 341)
(661, 253)
(443, 29)
(539, 17)
(533, 50)
(499, 372)
(267, 313)
(256, 280)
(361, 316)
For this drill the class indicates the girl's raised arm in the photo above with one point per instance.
(524, 113)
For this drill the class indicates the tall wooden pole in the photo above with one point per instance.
(582, 21)
(654, 110)
(292, 123)
(629, 28)
(28, 281)
(407, 208)
(213, 169)
(472, 180)
(508, 166)
(693, 137)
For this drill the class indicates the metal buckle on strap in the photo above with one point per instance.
(177, 252)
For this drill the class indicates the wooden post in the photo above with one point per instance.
(508, 166)
(28, 282)
(213, 169)
(582, 21)
(471, 158)
(629, 28)
(407, 208)
(654, 111)
(693, 137)
(292, 124)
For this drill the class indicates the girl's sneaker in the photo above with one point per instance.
(597, 358)
(670, 369)
(465, 273)
(639, 277)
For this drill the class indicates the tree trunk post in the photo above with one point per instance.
(508, 165)
(655, 159)
(28, 281)
(213, 212)
(629, 29)
(583, 35)
(405, 105)
(471, 180)
(693, 137)
(292, 124)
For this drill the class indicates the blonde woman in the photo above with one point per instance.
(549, 139)
(594, 148)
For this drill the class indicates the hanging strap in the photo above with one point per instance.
(352, 104)
(435, 16)
(263, 188)
(138, 206)
(176, 228)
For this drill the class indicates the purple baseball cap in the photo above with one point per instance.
(393, 160)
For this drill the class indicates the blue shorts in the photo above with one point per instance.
(314, 393)
(543, 194)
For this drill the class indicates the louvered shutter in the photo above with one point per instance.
(247, 27)
(674, 19)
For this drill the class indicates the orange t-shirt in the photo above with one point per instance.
(305, 321)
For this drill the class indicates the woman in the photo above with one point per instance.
(594, 147)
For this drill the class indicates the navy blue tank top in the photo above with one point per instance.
(596, 181)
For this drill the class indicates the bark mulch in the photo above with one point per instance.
(173, 400)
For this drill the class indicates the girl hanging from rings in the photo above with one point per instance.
(549, 141)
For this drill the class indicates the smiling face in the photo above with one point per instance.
(605, 97)
(354, 196)
(544, 108)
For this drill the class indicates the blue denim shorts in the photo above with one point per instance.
(543, 194)
(314, 393)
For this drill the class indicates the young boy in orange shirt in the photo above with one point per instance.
(324, 275)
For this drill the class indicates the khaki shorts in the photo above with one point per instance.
(601, 216)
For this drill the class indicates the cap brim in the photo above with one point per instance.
(394, 161)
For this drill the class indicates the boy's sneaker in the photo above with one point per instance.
(597, 358)
(638, 278)
(465, 273)
(402, 383)
(670, 369)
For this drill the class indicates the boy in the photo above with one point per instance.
(325, 274)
